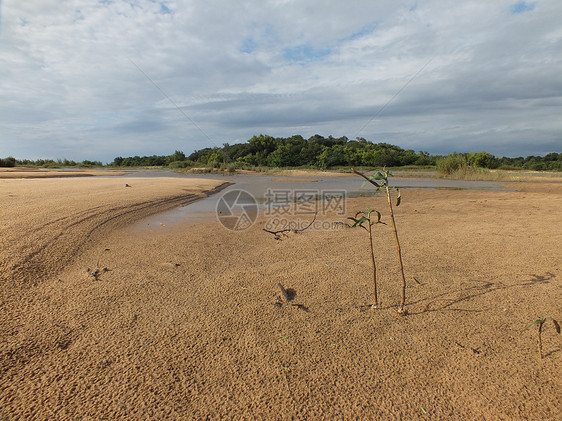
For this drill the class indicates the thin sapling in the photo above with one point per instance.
(361, 218)
(540, 323)
(380, 181)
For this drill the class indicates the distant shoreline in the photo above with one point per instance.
(30, 172)
(507, 176)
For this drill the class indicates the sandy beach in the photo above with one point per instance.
(188, 321)
(45, 223)
(24, 172)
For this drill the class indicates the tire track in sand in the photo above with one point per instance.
(41, 252)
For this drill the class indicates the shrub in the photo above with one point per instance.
(181, 164)
(452, 163)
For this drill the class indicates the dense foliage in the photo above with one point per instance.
(321, 152)
(457, 161)
(318, 152)
(149, 161)
(8, 162)
(48, 163)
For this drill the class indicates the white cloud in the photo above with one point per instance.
(68, 88)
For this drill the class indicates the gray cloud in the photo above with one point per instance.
(283, 67)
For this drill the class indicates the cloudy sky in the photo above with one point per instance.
(95, 79)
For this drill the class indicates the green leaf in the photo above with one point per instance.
(361, 220)
(358, 222)
(378, 176)
(366, 178)
(534, 322)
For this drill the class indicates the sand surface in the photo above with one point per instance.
(24, 172)
(187, 321)
(45, 223)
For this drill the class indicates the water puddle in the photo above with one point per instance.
(264, 188)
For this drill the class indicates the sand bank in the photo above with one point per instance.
(44, 223)
(188, 321)
(24, 172)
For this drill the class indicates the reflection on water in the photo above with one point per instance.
(259, 184)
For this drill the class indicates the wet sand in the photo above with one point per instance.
(188, 322)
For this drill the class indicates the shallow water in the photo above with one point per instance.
(265, 188)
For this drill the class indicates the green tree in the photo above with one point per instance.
(8, 162)
(331, 156)
(353, 153)
(482, 160)
(177, 156)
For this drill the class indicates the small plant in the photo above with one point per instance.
(540, 323)
(359, 220)
(380, 181)
(97, 272)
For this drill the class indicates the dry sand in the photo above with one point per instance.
(24, 172)
(45, 223)
(188, 323)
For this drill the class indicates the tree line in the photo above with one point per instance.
(329, 152)
(318, 152)
(48, 163)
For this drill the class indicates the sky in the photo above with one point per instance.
(96, 79)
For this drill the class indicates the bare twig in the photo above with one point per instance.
(294, 230)
(475, 350)
(284, 292)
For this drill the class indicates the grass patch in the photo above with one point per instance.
(484, 174)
